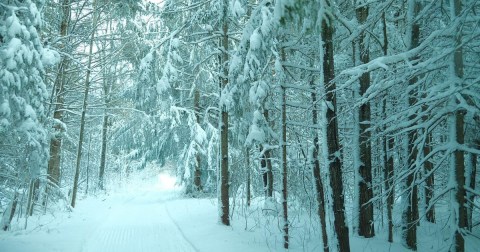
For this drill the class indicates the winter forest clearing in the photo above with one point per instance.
(239, 125)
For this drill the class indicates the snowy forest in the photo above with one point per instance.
(310, 125)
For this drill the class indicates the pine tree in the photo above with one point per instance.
(22, 98)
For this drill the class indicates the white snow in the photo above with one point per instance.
(50, 57)
(14, 26)
(255, 40)
(5, 109)
(148, 213)
(258, 92)
(199, 134)
(175, 42)
(237, 9)
(163, 85)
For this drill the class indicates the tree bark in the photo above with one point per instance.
(53, 170)
(247, 172)
(458, 120)
(473, 178)
(388, 145)
(320, 192)
(266, 165)
(197, 175)
(334, 151)
(389, 185)
(366, 227)
(9, 215)
(30, 201)
(284, 165)
(88, 164)
(429, 181)
(224, 173)
(410, 215)
(103, 152)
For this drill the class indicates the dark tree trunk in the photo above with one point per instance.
(429, 181)
(316, 172)
(10, 215)
(410, 215)
(266, 164)
(333, 145)
(197, 175)
(30, 201)
(284, 168)
(103, 152)
(473, 178)
(411, 212)
(267, 174)
(53, 170)
(388, 144)
(88, 164)
(389, 185)
(460, 194)
(366, 226)
(247, 172)
(459, 117)
(224, 173)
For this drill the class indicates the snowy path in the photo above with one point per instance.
(149, 215)
(140, 224)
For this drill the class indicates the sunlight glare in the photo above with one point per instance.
(166, 181)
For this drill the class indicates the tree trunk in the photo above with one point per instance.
(316, 172)
(459, 208)
(334, 151)
(103, 152)
(264, 170)
(224, 173)
(88, 163)
(389, 185)
(31, 192)
(267, 174)
(388, 145)
(247, 172)
(84, 108)
(366, 227)
(266, 165)
(284, 165)
(429, 182)
(9, 213)
(53, 170)
(410, 215)
(473, 178)
(197, 175)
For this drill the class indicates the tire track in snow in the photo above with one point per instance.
(140, 224)
(179, 229)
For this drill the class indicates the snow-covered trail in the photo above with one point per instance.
(142, 223)
(135, 218)
(149, 214)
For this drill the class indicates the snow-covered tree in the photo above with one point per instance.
(23, 138)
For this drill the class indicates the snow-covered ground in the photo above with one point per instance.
(150, 215)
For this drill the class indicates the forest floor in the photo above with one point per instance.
(151, 215)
